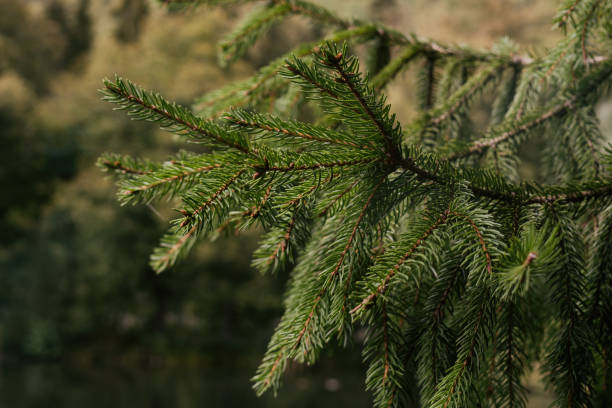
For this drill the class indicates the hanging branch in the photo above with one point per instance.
(407, 234)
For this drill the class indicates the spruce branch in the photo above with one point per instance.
(421, 244)
(170, 179)
(480, 237)
(280, 246)
(437, 340)
(529, 255)
(339, 263)
(145, 105)
(195, 207)
(325, 165)
(326, 210)
(256, 210)
(527, 123)
(365, 98)
(316, 13)
(381, 351)
(256, 24)
(299, 335)
(565, 14)
(511, 343)
(588, 20)
(206, 206)
(463, 95)
(574, 194)
(427, 81)
(124, 165)
(399, 256)
(171, 247)
(452, 390)
(510, 129)
(506, 93)
(265, 81)
(287, 132)
(390, 70)
(335, 78)
(568, 363)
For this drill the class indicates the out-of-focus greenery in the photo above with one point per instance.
(74, 277)
(74, 264)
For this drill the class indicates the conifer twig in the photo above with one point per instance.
(380, 289)
(340, 260)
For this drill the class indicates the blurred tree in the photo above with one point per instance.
(35, 54)
(77, 29)
(61, 294)
(129, 16)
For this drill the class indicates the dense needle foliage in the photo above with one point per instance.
(463, 275)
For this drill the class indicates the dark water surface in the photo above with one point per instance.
(181, 384)
(69, 386)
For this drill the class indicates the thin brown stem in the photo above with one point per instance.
(121, 168)
(480, 238)
(295, 133)
(179, 176)
(481, 145)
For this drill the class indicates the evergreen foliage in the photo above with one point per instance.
(463, 276)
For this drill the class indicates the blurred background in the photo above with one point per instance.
(83, 320)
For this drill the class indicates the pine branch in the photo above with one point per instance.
(451, 391)
(381, 352)
(390, 70)
(437, 341)
(291, 133)
(433, 254)
(265, 81)
(509, 129)
(170, 179)
(339, 263)
(369, 105)
(399, 255)
(463, 95)
(149, 106)
(236, 44)
(280, 246)
(124, 165)
(569, 362)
